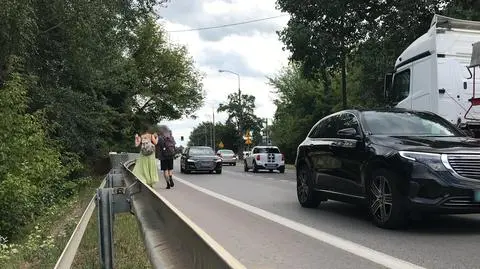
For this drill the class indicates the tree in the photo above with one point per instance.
(110, 55)
(323, 34)
(241, 112)
(80, 78)
(31, 171)
(201, 135)
(167, 85)
(300, 103)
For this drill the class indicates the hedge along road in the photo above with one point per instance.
(259, 242)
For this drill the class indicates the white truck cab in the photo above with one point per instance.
(436, 73)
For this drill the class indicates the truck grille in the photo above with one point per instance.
(466, 165)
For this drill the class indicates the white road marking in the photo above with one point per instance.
(335, 241)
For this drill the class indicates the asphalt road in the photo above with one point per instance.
(265, 227)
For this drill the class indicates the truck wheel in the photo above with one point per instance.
(255, 168)
(282, 170)
(245, 167)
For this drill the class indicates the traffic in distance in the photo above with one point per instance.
(420, 157)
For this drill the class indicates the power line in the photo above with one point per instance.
(227, 25)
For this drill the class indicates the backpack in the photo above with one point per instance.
(168, 147)
(147, 147)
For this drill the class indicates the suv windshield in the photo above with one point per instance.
(201, 151)
(267, 150)
(407, 124)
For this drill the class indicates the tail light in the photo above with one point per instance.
(283, 157)
(258, 157)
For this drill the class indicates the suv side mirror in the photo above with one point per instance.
(348, 133)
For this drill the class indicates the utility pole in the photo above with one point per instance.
(213, 128)
(206, 134)
(266, 131)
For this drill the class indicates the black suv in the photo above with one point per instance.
(394, 161)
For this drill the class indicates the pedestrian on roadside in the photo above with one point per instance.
(146, 165)
(166, 154)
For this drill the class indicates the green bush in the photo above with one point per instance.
(32, 176)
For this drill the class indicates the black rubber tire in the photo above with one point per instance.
(210, 172)
(218, 172)
(234, 164)
(186, 171)
(245, 167)
(271, 170)
(255, 168)
(311, 198)
(282, 170)
(398, 216)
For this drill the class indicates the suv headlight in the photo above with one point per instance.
(432, 160)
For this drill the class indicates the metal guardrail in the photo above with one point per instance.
(171, 239)
(68, 255)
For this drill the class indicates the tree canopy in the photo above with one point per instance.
(78, 79)
(341, 50)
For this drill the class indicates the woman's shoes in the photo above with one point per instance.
(168, 185)
(171, 181)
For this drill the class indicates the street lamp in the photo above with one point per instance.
(239, 100)
(238, 77)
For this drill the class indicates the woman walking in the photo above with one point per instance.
(146, 165)
(166, 154)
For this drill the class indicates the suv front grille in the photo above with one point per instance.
(466, 165)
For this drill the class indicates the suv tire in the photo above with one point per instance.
(307, 197)
(386, 204)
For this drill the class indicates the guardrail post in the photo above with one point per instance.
(105, 226)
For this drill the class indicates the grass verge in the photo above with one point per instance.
(290, 166)
(129, 250)
(44, 240)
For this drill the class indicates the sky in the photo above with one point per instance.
(252, 50)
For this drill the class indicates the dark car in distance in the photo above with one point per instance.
(396, 162)
(197, 158)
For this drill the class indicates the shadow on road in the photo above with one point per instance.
(425, 225)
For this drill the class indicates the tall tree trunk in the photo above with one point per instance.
(327, 88)
(344, 82)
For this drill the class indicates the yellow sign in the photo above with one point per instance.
(221, 145)
(248, 141)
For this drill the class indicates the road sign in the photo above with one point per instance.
(221, 145)
(248, 141)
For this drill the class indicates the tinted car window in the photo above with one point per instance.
(347, 120)
(316, 132)
(224, 151)
(325, 129)
(200, 151)
(266, 150)
(408, 124)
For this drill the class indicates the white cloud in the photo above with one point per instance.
(252, 50)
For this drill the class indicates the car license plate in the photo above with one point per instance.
(476, 196)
